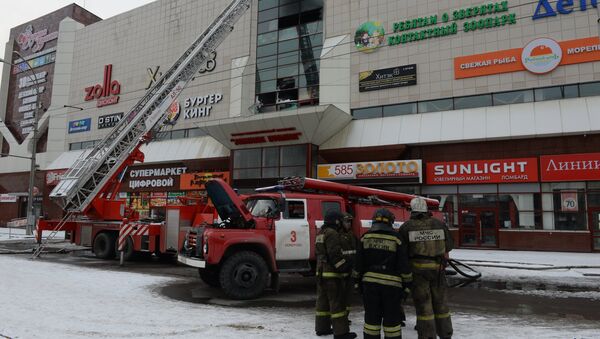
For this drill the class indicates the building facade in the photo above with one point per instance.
(490, 107)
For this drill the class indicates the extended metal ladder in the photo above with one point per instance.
(90, 173)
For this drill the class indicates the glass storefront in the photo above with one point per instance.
(480, 211)
(270, 162)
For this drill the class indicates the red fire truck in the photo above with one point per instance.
(273, 231)
(88, 191)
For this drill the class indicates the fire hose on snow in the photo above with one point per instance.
(465, 271)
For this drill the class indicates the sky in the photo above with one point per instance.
(15, 13)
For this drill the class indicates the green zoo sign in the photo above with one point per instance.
(473, 18)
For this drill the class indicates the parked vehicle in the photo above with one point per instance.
(273, 231)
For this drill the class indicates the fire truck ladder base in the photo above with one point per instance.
(43, 243)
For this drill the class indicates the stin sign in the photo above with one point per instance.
(544, 7)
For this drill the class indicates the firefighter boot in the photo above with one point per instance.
(328, 332)
(349, 335)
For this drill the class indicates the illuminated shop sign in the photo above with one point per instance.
(387, 78)
(539, 56)
(199, 107)
(33, 63)
(78, 126)
(27, 80)
(150, 178)
(196, 181)
(35, 40)
(482, 171)
(106, 93)
(110, 120)
(544, 8)
(570, 167)
(400, 169)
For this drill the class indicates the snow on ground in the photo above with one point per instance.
(48, 300)
(555, 268)
(11, 234)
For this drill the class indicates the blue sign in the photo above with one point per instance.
(544, 7)
(82, 125)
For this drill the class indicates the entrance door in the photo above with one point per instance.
(595, 228)
(479, 227)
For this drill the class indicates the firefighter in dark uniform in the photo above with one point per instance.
(332, 270)
(349, 245)
(429, 242)
(382, 263)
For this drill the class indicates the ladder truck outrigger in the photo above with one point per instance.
(88, 191)
(273, 231)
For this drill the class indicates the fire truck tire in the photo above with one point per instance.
(244, 275)
(210, 276)
(104, 246)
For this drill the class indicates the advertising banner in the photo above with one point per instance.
(196, 181)
(77, 126)
(8, 198)
(570, 167)
(482, 171)
(387, 78)
(541, 55)
(109, 120)
(408, 170)
(53, 177)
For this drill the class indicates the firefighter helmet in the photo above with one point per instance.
(383, 216)
(333, 217)
(418, 204)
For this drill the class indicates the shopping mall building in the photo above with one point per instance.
(491, 107)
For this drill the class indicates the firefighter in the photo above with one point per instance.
(349, 245)
(382, 263)
(429, 242)
(332, 270)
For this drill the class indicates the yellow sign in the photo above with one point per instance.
(410, 169)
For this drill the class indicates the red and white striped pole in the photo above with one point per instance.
(122, 237)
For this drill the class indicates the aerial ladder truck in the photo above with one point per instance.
(88, 191)
(273, 231)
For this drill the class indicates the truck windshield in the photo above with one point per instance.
(262, 207)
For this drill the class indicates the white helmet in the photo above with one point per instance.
(418, 204)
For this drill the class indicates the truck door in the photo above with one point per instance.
(292, 235)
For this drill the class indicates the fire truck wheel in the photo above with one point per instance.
(244, 275)
(104, 246)
(210, 276)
